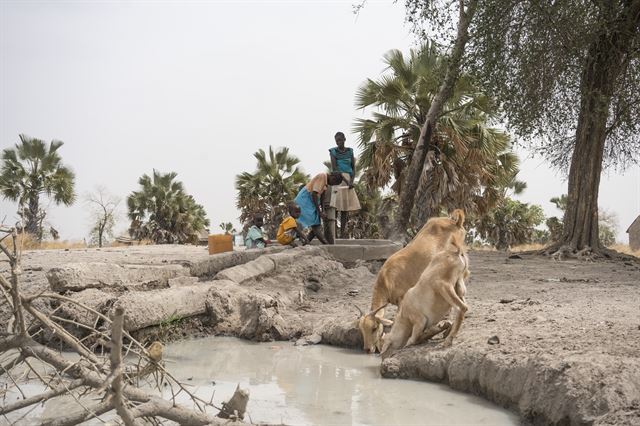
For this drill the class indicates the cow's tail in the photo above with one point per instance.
(458, 217)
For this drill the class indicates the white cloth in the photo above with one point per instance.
(344, 199)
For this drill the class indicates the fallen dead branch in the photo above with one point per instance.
(98, 384)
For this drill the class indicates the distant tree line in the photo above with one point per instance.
(32, 172)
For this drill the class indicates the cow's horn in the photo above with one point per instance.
(359, 310)
(372, 313)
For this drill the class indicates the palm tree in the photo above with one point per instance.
(274, 183)
(33, 169)
(227, 228)
(163, 212)
(466, 158)
(510, 223)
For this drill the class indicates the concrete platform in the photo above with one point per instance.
(354, 250)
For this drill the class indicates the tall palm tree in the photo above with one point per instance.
(267, 190)
(33, 169)
(467, 158)
(163, 212)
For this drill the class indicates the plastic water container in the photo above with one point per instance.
(220, 243)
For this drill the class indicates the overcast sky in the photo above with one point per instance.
(198, 87)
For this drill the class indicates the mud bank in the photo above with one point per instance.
(262, 295)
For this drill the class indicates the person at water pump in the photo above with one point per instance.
(310, 201)
(290, 232)
(343, 196)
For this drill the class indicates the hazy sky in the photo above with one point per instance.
(198, 87)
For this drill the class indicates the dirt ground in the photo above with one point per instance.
(569, 332)
(569, 340)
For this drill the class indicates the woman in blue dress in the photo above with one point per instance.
(310, 201)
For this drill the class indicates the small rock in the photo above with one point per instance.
(314, 339)
(515, 256)
(353, 292)
(508, 299)
(493, 340)
(313, 285)
(491, 319)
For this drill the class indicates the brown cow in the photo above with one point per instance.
(440, 288)
(401, 272)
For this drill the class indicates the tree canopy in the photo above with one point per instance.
(566, 75)
(163, 212)
(33, 169)
(532, 56)
(274, 183)
(468, 160)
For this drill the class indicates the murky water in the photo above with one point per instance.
(321, 385)
(312, 385)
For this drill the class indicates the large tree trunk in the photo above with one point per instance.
(605, 63)
(409, 190)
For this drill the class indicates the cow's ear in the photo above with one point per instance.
(383, 321)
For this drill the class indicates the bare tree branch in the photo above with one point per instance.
(58, 390)
(116, 368)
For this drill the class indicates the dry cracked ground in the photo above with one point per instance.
(558, 342)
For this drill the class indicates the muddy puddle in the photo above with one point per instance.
(311, 385)
(321, 385)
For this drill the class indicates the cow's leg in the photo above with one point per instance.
(461, 291)
(461, 288)
(435, 330)
(416, 332)
(448, 292)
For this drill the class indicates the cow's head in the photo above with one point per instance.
(394, 340)
(371, 328)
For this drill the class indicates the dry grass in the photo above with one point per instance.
(522, 247)
(480, 247)
(133, 243)
(624, 248)
(27, 242)
(528, 247)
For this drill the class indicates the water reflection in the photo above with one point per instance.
(320, 385)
